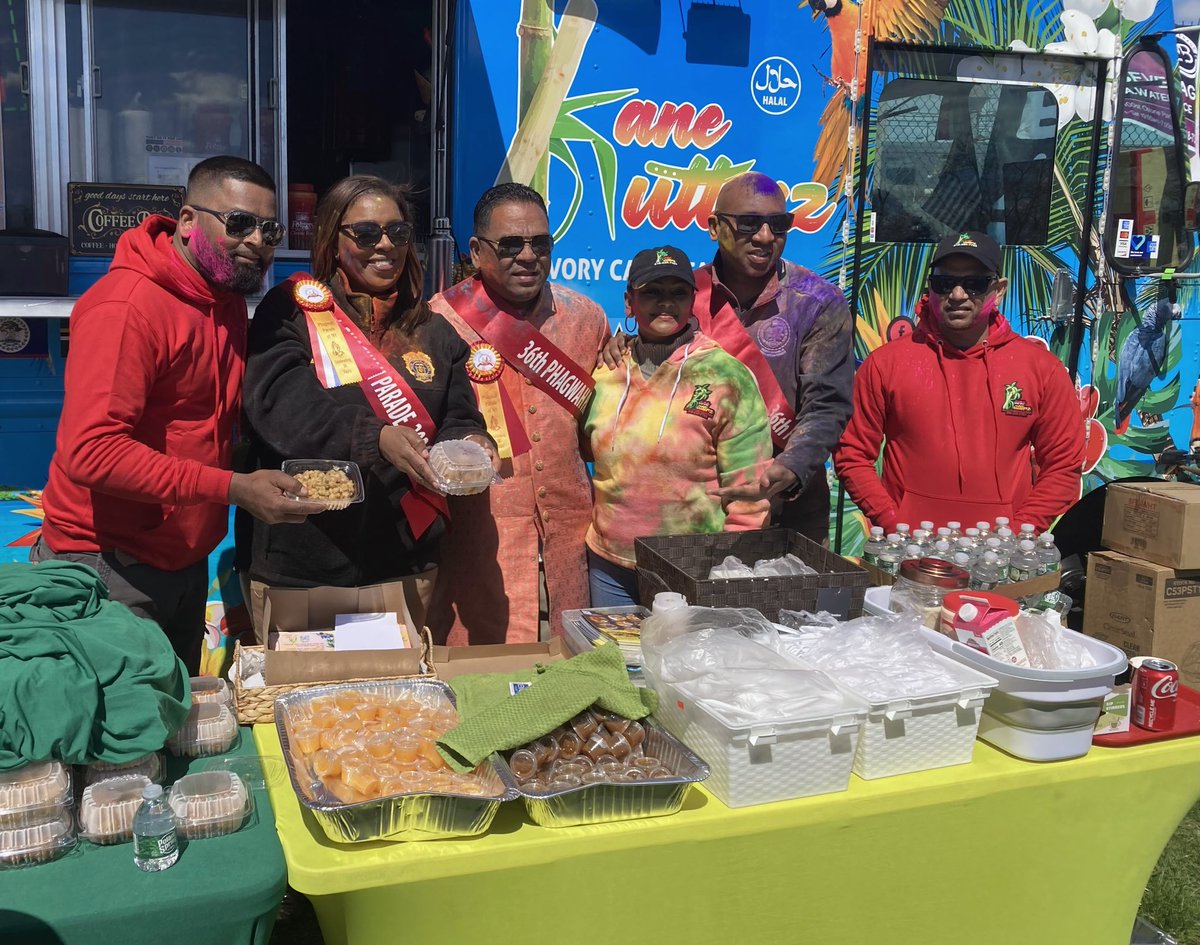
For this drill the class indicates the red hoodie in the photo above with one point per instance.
(153, 389)
(960, 427)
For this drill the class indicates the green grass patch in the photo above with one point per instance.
(1172, 900)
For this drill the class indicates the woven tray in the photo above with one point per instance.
(681, 563)
(255, 706)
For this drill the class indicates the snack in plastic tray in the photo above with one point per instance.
(209, 729)
(336, 483)
(462, 467)
(210, 804)
(38, 842)
(32, 793)
(361, 746)
(149, 766)
(106, 809)
(211, 689)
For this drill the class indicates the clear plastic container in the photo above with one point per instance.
(210, 804)
(211, 689)
(294, 466)
(462, 467)
(209, 729)
(922, 584)
(38, 842)
(149, 766)
(106, 809)
(33, 793)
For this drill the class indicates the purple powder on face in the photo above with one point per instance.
(220, 268)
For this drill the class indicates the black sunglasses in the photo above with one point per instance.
(972, 285)
(510, 247)
(367, 235)
(241, 223)
(747, 224)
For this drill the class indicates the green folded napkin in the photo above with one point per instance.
(492, 718)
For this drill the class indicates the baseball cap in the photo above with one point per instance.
(661, 262)
(979, 246)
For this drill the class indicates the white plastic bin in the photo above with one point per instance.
(877, 601)
(766, 761)
(1041, 714)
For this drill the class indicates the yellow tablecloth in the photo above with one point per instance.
(998, 852)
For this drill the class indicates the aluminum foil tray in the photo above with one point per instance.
(432, 816)
(603, 802)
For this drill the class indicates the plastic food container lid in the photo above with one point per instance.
(294, 466)
(39, 842)
(149, 766)
(934, 572)
(43, 784)
(462, 467)
(106, 809)
(256, 773)
(211, 689)
(210, 799)
(209, 729)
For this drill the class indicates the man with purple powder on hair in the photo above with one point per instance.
(792, 329)
(141, 482)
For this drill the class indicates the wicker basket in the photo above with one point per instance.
(681, 563)
(255, 706)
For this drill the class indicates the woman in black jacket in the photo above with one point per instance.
(366, 272)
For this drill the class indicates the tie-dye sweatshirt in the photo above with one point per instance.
(662, 447)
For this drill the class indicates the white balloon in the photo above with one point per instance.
(1136, 10)
(1080, 31)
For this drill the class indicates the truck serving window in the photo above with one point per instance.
(952, 156)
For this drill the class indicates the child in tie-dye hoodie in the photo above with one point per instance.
(675, 423)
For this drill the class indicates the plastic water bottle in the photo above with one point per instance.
(155, 843)
(1048, 555)
(903, 530)
(1001, 522)
(913, 552)
(927, 526)
(995, 546)
(942, 549)
(955, 530)
(986, 573)
(973, 534)
(924, 538)
(1028, 532)
(963, 560)
(889, 558)
(963, 546)
(1007, 541)
(1024, 564)
(875, 544)
(985, 531)
(943, 534)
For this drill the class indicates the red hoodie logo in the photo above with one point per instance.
(699, 405)
(1014, 402)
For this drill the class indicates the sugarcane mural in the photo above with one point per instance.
(628, 117)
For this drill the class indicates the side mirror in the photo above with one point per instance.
(1062, 297)
(1191, 207)
(1144, 228)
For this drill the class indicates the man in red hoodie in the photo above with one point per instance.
(964, 405)
(140, 482)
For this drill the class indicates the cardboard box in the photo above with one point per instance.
(1146, 609)
(295, 609)
(1155, 521)
(451, 661)
(1042, 584)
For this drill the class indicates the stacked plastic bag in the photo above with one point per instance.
(787, 566)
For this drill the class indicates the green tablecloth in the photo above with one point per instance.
(224, 890)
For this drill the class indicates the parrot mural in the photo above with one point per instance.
(1141, 360)
(899, 20)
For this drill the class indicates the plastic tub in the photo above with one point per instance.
(766, 761)
(33, 793)
(211, 689)
(462, 467)
(1041, 714)
(149, 766)
(38, 842)
(210, 804)
(106, 809)
(209, 729)
(877, 601)
(295, 466)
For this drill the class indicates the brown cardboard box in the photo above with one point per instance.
(1146, 609)
(451, 661)
(1042, 584)
(293, 609)
(1155, 521)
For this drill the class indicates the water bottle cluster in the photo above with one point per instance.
(991, 553)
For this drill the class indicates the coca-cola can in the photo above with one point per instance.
(1155, 692)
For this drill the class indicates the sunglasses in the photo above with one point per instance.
(972, 285)
(241, 223)
(747, 224)
(367, 235)
(510, 247)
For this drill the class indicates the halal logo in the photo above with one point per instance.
(775, 85)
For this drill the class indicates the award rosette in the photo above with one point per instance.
(484, 363)
(312, 296)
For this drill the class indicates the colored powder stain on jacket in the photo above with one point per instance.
(662, 446)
